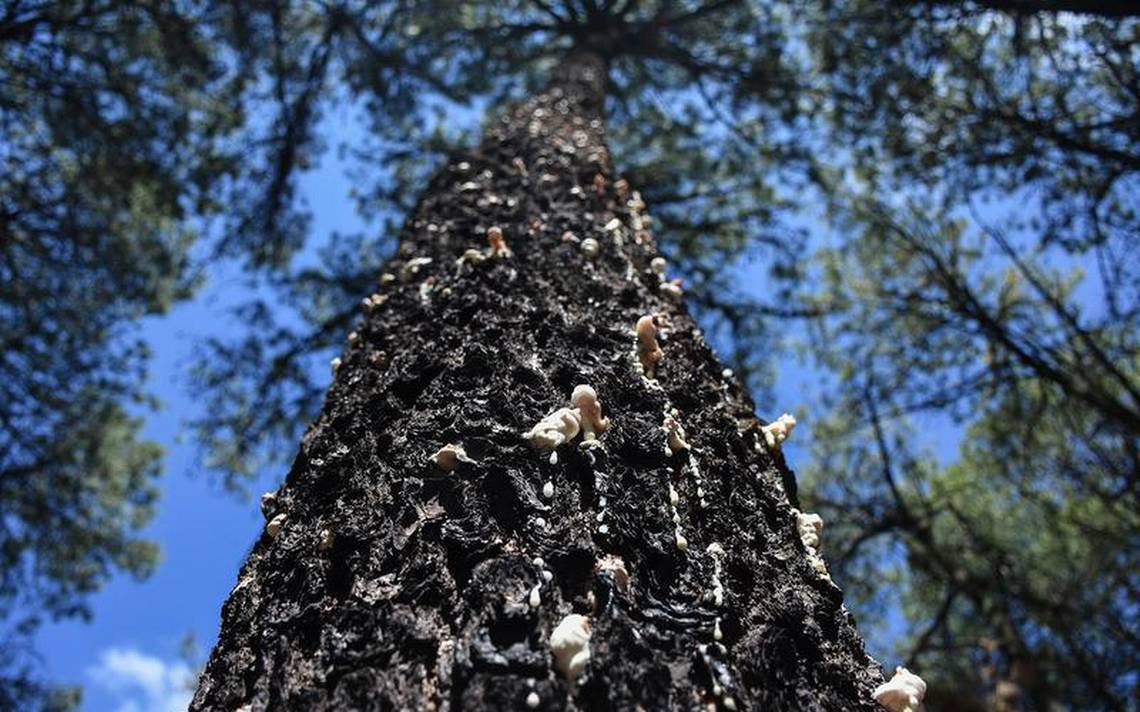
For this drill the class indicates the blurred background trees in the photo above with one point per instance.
(106, 114)
(925, 211)
(985, 277)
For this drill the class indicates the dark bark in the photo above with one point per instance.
(421, 599)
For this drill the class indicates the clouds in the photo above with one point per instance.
(143, 683)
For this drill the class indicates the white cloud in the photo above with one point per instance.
(141, 682)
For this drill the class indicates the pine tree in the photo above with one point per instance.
(396, 572)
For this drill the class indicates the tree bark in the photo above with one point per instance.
(392, 584)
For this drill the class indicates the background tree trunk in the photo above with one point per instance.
(392, 584)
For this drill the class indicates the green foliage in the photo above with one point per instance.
(1023, 546)
(982, 283)
(69, 523)
(106, 116)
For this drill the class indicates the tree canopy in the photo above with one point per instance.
(941, 194)
(106, 113)
(987, 276)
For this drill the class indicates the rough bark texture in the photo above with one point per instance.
(419, 597)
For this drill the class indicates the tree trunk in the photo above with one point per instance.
(393, 584)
